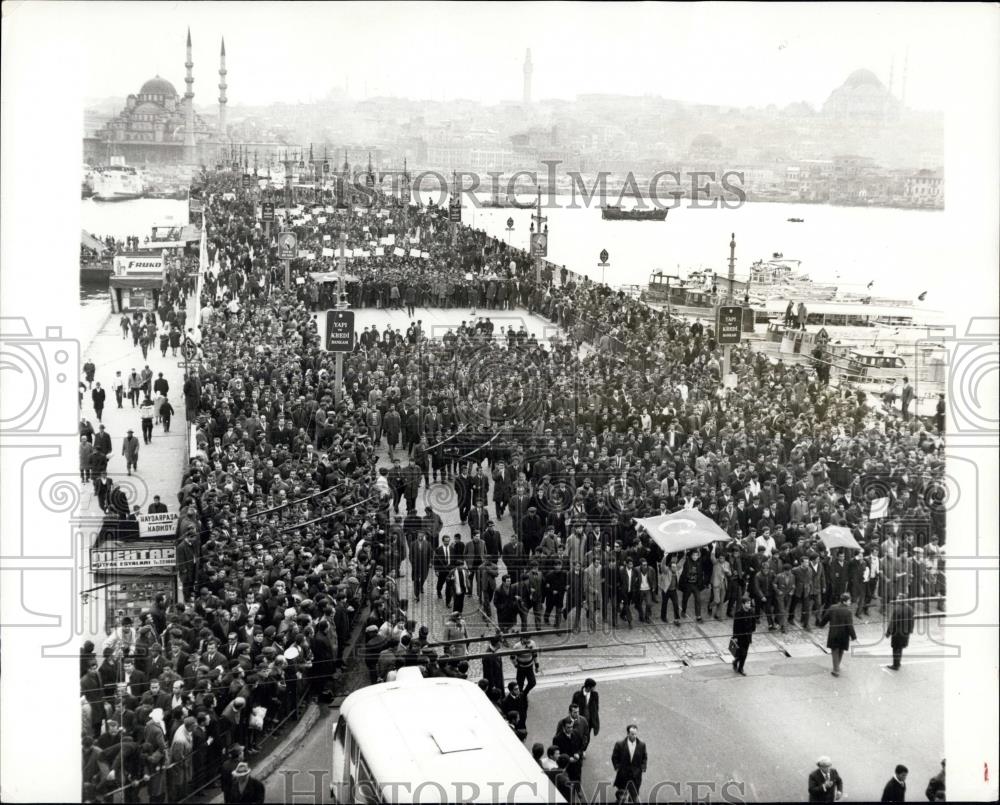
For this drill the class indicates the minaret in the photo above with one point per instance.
(189, 146)
(222, 90)
(906, 64)
(526, 95)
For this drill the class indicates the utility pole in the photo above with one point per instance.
(288, 217)
(538, 235)
(603, 265)
(727, 350)
(340, 304)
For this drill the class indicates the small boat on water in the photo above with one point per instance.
(614, 213)
(796, 220)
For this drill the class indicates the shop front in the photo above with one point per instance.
(131, 576)
(137, 281)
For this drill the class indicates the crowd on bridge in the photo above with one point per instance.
(291, 538)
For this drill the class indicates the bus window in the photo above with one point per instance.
(340, 770)
(365, 789)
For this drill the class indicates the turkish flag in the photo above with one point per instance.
(682, 530)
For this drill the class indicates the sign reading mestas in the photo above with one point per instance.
(146, 264)
(105, 560)
(157, 525)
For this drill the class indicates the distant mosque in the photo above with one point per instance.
(864, 99)
(158, 126)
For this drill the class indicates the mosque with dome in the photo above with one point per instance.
(158, 126)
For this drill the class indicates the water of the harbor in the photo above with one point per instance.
(905, 252)
(118, 219)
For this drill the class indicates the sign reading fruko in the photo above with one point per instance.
(539, 244)
(340, 330)
(157, 525)
(729, 326)
(138, 265)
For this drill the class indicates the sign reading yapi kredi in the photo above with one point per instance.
(267, 212)
(339, 330)
(729, 327)
(157, 525)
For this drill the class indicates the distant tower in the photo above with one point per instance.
(189, 145)
(526, 94)
(906, 64)
(222, 90)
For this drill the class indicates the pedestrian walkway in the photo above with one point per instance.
(161, 463)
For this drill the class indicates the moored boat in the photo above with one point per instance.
(614, 213)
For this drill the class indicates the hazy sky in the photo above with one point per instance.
(739, 53)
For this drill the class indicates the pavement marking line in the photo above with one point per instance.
(607, 676)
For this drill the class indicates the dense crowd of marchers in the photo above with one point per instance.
(290, 536)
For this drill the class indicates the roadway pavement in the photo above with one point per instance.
(714, 736)
(753, 738)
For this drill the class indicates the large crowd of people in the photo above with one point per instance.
(291, 538)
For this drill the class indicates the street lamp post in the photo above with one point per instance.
(510, 228)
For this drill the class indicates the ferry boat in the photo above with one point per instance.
(614, 213)
(796, 220)
(117, 182)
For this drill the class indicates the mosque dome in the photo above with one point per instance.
(158, 86)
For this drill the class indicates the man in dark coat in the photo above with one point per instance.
(744, 625)
(841, 632)
(420, 563)
(895, 789)
(825, 784)
(899, 629)
(629, 761)
(589, 702)
(243, 787)
(493, 665)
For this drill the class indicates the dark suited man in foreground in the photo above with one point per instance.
(825, 784)
(629, 761)
(899, 629)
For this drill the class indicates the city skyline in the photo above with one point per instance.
(795, 59)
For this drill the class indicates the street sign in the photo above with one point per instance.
(267, 212)
(455, 212)
(604, 255)
(539, 244)
(510, 223)
(729, 324)
(190, 349)
(339, 330)
(286, 246)
(248, 181)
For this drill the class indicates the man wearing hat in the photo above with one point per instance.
(130, 449)
(244, 787)
(825, 784)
